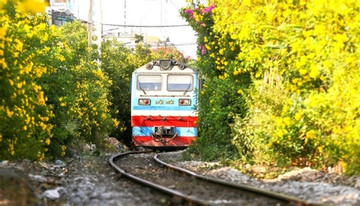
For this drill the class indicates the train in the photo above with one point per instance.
(164, 105)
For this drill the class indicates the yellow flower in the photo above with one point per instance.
(302, 71)
(18, 45)
(40, 156)
(285, 109)
(32, 6)
(221, 51)
(287, 121)
(9, 113)
(116, 123)
(12, 151)
(207, 47)
(298, 116)
(47, 141)
(314, 71)
(310, 134)
(43, 126)
(40, 98)
(205, 39)
(3, 63)
(61, 58)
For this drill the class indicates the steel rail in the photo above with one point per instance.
(259, 191)
(191, 200)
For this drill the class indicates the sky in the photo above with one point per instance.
(144, 12)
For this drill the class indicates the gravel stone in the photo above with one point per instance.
(304, 183)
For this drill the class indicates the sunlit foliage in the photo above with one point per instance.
(52, 93)
(303, 59)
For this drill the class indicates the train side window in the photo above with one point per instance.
(180, 83)
(149, 82)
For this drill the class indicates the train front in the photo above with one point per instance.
(163, 105)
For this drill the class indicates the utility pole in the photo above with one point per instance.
(95, 24)
(90, 22)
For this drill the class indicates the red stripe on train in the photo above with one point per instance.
(148, 141)
(151, 121)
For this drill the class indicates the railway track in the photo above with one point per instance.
(188, 188)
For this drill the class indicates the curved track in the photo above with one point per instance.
(190, 188)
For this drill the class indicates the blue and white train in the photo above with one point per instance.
(163, 104)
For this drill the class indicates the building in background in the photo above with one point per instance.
(155, 20)
(59, 12)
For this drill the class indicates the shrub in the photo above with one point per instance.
(309, 51)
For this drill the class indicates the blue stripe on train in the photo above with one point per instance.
(172, 108)
(181, 131)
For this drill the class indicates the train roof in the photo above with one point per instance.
(165, 66)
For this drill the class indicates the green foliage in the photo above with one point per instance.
(219, 102)
(117, 64)
(303, 57)
(51, 93)
(221, 98)
(24, 115)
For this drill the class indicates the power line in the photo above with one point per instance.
(146, 26)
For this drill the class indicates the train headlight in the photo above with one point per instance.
(149, 66)
(165, 64)
(184, 102)
(144, 101)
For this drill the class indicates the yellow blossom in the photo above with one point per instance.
(43, 126)
(310, 134)
(47, 141)
(32, 6)
(314, 71)
(9, 113)
(18, 45)
(298, 116)
(287, 121)
(205, 39)
(3, 63)
(61, 58)
(221, 51)
(207, 47)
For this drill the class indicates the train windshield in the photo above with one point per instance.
(149, 82)
(180, 83)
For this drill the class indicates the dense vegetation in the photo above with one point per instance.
(281, 83)
(284, 78)
(53, 94)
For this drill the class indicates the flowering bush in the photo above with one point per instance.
(222, 96)
(24, 114)
(167, 52)
(48, 97)
(304, 53)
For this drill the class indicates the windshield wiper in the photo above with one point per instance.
(187, 89)
(142, 89)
